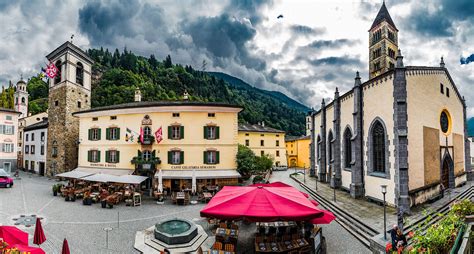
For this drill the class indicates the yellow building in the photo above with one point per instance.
(184, 144)
(264, 140)
(297, 151)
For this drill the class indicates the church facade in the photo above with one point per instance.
(405, 128)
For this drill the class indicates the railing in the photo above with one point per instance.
(147, 140)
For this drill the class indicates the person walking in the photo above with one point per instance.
(399, 241)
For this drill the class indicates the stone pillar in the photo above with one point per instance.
(322, 162)
(336, 181)
(357, 177)
(467, 146)
(313, 146)
(400, 130)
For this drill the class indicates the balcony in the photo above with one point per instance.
(143, 166)
(147, 140)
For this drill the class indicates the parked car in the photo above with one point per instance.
(5, 179)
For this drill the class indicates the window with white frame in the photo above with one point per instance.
(7, 147)
(175, 157)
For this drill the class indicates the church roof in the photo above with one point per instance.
(258, 128)
(73, 48)
(381, 16)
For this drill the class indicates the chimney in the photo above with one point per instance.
(138, 95)
(441, 64)
(185, 95)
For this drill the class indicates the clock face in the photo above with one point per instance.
(444, 122)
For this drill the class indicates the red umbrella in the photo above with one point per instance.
(39, 237)
(325, 219)
(261, 203)
(65, 247)
(12, 235)
(28, 249)
(277, 184)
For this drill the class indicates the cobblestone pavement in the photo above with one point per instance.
(372, 213)
(83, 226)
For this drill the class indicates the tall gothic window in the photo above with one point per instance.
(80, 74)
(57, 79)
(347, 148)
(378, 147)
(330, 146)
(318, 146)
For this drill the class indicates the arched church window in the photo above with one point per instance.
(80, 74)
(57, 79)
(347, 148)
(330, 146)
(378, 147)
(318, 147)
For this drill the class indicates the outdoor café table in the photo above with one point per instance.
(221, 252)
(225, 232)
(267, 247)
(276, 224)
(207, 196)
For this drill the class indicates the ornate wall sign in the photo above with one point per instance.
(146, 120)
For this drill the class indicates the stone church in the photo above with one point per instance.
(405, 128)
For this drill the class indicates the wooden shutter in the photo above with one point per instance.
(181, 132)
(204, 158)
(169, 132)
(217, 132)
(205, 132)
(181, 157)
(118, 134)
(98, 133)
(169, 157)
(90, 134)
(217, 157)
(107, 155)
(89, 155)
(117, 155)
(98, 155)
(107, 133)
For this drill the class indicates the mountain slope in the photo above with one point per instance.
(238, 83)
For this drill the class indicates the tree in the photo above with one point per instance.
(168, 63)
(263, 163)
(245, 161)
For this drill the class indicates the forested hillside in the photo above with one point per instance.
(117, 74)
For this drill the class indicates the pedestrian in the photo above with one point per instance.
(442, 190)
(399, 241)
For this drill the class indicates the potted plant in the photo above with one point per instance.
(55, 190)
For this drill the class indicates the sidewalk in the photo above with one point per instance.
(372, 213)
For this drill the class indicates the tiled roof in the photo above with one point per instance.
(39, 125)
(381, 16)
(9, 110)
(257, 128)
(293, 138)
(143, 104)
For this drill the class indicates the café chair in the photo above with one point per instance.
(217, 246)
(229, 247)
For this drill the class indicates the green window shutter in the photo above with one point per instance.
(118, 156)
(169, 157)
(98, 155)
(181, 157)
(153, 153)
(118, 134)
(107, 133)
(181, 130)
(98, 133)
(217, 157)
(217, 132)
(89, 155)
(205, 132)
(169, 132)
(204, 157)
(107, 156)
(90, 134)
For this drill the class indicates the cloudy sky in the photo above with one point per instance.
(316, 47)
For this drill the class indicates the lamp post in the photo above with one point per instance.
(304, 172)
(384, 191)
(333, 179)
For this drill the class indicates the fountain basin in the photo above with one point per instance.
(175, 231)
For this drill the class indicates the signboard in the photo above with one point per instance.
(193, 167)
(106, 165)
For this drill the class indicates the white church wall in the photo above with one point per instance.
(378, 103)
(347, 107)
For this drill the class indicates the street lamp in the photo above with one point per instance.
(334, 183)
(384, 191)
(304, 171)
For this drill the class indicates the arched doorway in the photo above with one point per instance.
(293, 163)
(446, 167)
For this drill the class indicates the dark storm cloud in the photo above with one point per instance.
(440, 21)
(248, 9)
(306, 30)
(467, 60)
(331, 43)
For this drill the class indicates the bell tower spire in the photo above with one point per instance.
(383, 43)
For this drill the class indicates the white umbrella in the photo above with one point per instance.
(193, 188)
(160, 181)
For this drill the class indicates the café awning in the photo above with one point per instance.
(101, 178)
(199, 174)
(75, 174)
(131, 179)
(107, 171)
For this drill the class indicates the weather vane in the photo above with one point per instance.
(72, 37)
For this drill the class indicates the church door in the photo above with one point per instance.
(446, 167)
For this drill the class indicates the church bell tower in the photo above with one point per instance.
(383, 43)
(21, 98)
(69, 92)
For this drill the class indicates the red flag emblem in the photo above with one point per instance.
(159, 135)
(51, 70)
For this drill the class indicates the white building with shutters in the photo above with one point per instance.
(35, 138)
